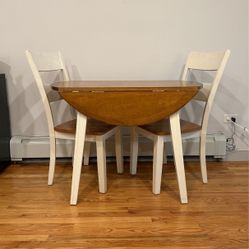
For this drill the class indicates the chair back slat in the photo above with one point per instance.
(206, 61)
(46, 62)
(52, 95)
(203, 93)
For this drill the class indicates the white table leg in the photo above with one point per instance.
(157, 164)
(87, 151)
(101, 164)
(133, 151)
(178, 155)
(119, 151)
(78, 154)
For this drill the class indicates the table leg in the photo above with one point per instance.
(78, 155)
(119, 151)
(178, 155)
(133, 151)
(157, 164)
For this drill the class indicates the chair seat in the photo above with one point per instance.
(162, 127)
(94, 127)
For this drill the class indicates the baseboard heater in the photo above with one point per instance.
(22, 147)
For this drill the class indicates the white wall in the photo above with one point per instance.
(123, 39)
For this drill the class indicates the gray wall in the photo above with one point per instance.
(123, 39)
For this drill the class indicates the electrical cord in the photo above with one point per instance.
(230, 142)
(244, 128)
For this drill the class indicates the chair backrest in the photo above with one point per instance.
(207, 61)
(44, 63)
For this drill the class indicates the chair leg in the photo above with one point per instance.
(119, 151)
(101, 164)
(78, 155)
(178, 155)
(203, 158)
(134, 151)
(87, 151)
(52, 160)
(157, 164)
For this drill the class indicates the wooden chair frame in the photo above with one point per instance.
(49, 62)
(211, 61)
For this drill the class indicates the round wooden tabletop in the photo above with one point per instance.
(127, 103)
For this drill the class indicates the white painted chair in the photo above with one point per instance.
(96, 131)
(159, 132)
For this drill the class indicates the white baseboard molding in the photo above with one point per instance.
(239, 155)
(22, 147)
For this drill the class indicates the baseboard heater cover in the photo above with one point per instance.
(22, 147)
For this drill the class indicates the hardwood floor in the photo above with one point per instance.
(34, 215)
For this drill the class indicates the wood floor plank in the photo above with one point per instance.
(34, 215)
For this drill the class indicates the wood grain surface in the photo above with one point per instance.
(94, 127)
(162, 127)
(34, 215)
(127, 103)
(128, 108)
